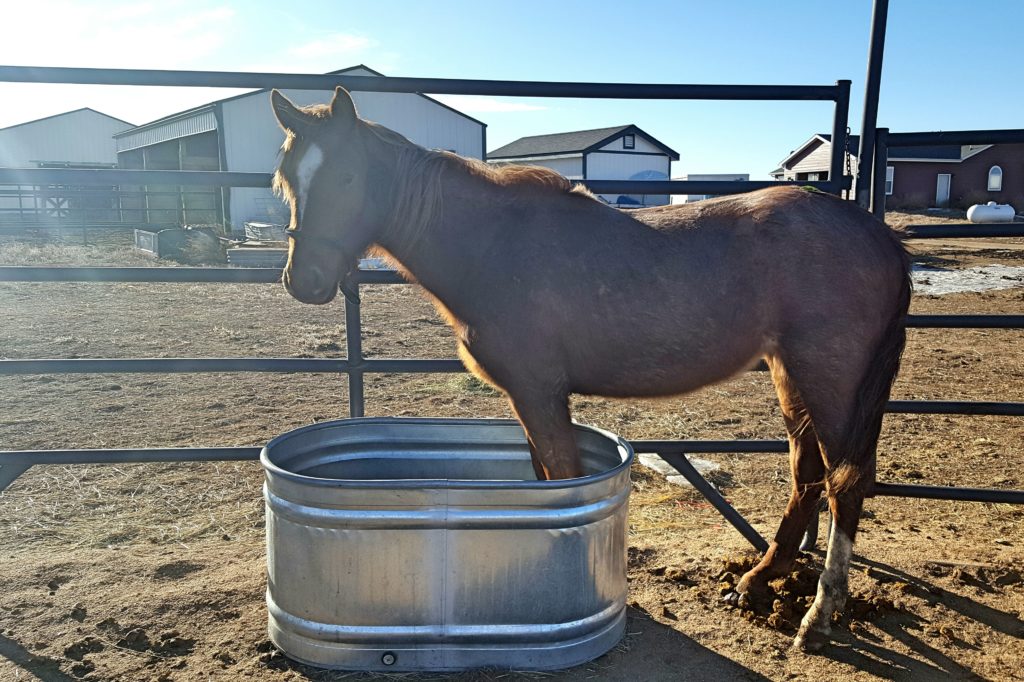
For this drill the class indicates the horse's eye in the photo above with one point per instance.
(346, 178)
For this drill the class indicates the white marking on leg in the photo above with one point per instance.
(309, 164)
(832, 588)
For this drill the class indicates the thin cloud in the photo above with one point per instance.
(479, 104)
(334, 45)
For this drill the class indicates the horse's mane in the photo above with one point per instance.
(417, 194)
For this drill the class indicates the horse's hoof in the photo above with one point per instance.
(737, 599)
(810, 641)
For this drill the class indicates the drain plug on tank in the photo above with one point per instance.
(388, 658)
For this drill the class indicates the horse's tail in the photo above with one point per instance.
(865, 425)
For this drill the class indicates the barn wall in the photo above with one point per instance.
(605, 166)
(571, 167)
(252, 138)
(76, 137)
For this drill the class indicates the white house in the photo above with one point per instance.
(82, 138)
(698, 177)
(618, 153)
(240, 134)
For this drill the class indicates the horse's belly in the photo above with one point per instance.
(661, 371)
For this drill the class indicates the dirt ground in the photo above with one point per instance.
(156, 572)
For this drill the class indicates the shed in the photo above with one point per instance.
(617, 153)
(240, 134)
(81, 138)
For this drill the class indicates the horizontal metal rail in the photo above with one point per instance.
(966, 321)
(934, 492)
(201, 454)
(965, 230)
(199, 365)
(990, 409)
(440, 86)
(129, 455)
(42, 273)
(106, 177)
(1008, 136)
(709, 446)
(717, 187)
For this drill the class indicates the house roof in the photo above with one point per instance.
(65, 113)
(208, 105)
(938, 152)
(944, 152)
(573, 142)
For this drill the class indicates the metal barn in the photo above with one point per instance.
(81, 138)
(240, 134)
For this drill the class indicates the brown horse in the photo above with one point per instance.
(551, 292)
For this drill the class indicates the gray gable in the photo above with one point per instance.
(556, 143)
(575, 142)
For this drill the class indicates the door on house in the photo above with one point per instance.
(942, 190)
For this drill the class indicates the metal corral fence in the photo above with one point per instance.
(355, 365)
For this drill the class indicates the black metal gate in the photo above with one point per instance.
(356, 366)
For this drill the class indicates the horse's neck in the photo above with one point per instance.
(442, 254)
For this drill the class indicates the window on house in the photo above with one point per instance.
(629, 142)
(889, 175)
(995, 179)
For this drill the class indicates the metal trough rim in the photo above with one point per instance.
(272, 469)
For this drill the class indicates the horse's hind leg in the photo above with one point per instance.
(845, 389)
(833, 585)
(808, 476)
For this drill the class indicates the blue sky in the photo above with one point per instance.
(949, 64)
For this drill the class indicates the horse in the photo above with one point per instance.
(550, 292)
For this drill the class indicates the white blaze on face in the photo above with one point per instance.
(309, 164)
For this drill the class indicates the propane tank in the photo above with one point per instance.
(991, 213)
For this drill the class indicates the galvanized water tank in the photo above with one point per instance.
(428, 545)
(991, 213)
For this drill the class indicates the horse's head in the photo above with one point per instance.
(326, 176)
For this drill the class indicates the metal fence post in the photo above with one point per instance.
(879, 177)
(354, 346)
(876, 51)
(840, 123)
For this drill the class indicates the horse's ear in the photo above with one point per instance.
(342, 106)
(290, 117)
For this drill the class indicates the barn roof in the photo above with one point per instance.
(66, 113)
(208, 106)
(573, 142)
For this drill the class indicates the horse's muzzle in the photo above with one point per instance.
(310, 285)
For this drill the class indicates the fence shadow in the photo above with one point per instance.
(1001, 621)
(38, 667)
(866, 655)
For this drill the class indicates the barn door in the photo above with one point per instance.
(942, 190)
